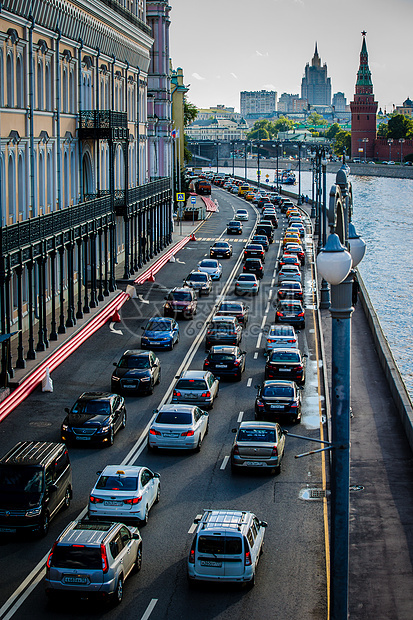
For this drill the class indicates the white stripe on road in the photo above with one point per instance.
(241, 413)
(224, 462)
(149, 609)
(249, 382)
(270, 293)
(256, 355)
(257, 346)
(267, 309)
(264, 320)
(192, 528)
(272, 282)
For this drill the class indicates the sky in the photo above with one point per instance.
(226, 46)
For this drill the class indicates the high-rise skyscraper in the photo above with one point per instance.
(315, 85)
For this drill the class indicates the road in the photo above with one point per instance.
(291, 577)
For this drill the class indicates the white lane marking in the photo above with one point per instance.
(272, 282)
(181, 262)
(224, 462)
(240, 415)
(115, 331)
(256, 355)
(249, 382)
(192, 528)
(270, 293)
(311, 331)
(144, 301)
(264, 318)
(257, 346)
(267, 309)
(149, 609)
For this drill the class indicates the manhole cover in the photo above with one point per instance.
(40, 424)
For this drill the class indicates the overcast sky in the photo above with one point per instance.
(225, 46)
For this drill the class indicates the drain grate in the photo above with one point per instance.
(317, 493)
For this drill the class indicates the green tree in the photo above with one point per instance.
(332, 131)
(283, 124)
(316, 119)
(383, 130)
(187, 152)
(400, 127)
(190, 112)
(258, 134)
(342, 142)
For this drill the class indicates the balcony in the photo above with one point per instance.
(103, 125)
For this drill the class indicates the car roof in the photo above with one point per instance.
(95, 396)
(252, 424)
(122, 470)
(278, 383)
(290, 284)
(194, 374)
(224, 520)
(176, 408)
(223, 319)
(223, 349)
(184, 289)
(285, 350)
(283, 330)
(136, 353)
(90, 533)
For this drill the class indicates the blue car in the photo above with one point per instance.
(160, 332)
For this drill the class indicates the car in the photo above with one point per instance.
(278, 399)
(137, 371)
(180, 300)
(35, 483)
(289, 272)
(390, 163)
(291, 237)
(243, 189)
(298, 226)
(295, 248)
(261, 240)
(247, 283)
(234, 228)
(291, 312)
(178, 427)
(258, 445)
(254, 250)
(226, 547)
(253, 265)
(285, 363)
(212, 267)
(288, 259)
(256, 198)
(249, 196)
(281, 336)
(290, 289)
(234, 190)
(160, 333)
(225, 361)
(223, 330)
(220, 248)
(242, 215)
(262, 201)
(200, 281)
(93, 559)
(124, 493)
(265, 229)
(197, 387)
(94, 418)
(266, 222)
(271, 216)
(234, 308)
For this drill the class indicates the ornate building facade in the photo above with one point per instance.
(363, 110)
(316, 85)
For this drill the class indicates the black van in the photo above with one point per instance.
(35, 482)
(265, 229)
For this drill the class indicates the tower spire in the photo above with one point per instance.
(363, 109)
(364, 84)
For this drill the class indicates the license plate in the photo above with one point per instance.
(81, 438)
(8, 530)
(75, 579)
(153, 342)
(110, 502)
(221, 366)
(129, 385)
(254, 464)
(208, 563)
(277, 406)
(284, 370)
(170, 435)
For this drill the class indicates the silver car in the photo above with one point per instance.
(281, 337)
(200, 281)
(212, 267)
(289, 272)
(247, 283)
(197, 387)
(178, 427)
(258, 445)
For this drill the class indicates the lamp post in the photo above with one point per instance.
(324, 291)
(278, 148)
(364, 140)
(258, 165)
(313, 211)
(299, 202)
(390, 142)
(401, 141)
(217, 144)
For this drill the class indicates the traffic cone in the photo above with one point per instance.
(116, 318)
(192, 237)
(47, 383)
(151, 277)
(172, 259)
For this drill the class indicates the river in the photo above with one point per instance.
(382, 215)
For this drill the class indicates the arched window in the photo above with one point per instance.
(49, 87)
(1, 80)
(11, 186)
(64, 88)
(42, 197)
(3, 189)
(10, 80)
(19, 83)
(72, 91)
(40, 85)
(21, 174)
(66, 178)
(50, 181)
(73, 175)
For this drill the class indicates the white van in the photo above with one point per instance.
(226, 547)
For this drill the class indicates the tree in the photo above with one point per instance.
(283, 124)
(190, 112)
(258, 134)
(399, 126)
(187, 152)
(342, 142)
(332, 131)
(316, 119)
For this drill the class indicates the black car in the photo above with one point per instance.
(94, 418)
(289, 289)
(261, 240)
(291, 312)
(223, 330)
(234, 308)
(285, 363)
(265, 229)
(254, 250)
(234, 228)
(276, 399)
(220, 249)
(137, 371)
(253, 265)
(285, 205)
(272, 217)
(225, 361)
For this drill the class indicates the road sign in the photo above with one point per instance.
(267, 175)
(180, 197)
(193, 200)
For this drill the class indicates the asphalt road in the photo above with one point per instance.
(291, 577)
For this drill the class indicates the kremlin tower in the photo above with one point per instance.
(363, 110)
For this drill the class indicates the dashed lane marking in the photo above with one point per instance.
(149, 609)
(240, 415)
(224, 462)
(249, 382)
(257, 346)
(256, 355)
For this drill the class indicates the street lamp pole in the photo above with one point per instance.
(365, 140)
(299, 202)
(217, 154)
(324, 291)
(278, 148)
(401, 140)
(245, 161)
(313, 210)
(390, 142)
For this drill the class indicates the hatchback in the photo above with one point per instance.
(136, 371)
(199, 281)
(197, 387)
(271, 215)
(253, 265)
(178, 427)
(291, 312)
(222, 249)
(289, 272)
(285, 363)
(225, 361)
(281, 337)
(247, 283)
(289, 289)
(234, 228)
(160, 333)
(94, 418)
(276, 399)
(124, 493)
(258, 445)
(212, 267)
(223, 330)
(234, 308)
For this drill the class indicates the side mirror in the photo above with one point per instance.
(244, 352)
(154, 411)
(305, 355)
(67, 410)
(166, 297)
(136, 536)
(115, 363)
(263, 524)
(257, 387)
(234, 430)
(156, 475)
(142, 327)
(99, 472)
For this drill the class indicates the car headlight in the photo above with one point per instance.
(145, 378)
(65, 427)
(115, 378)
(104, 429)
(34, 512)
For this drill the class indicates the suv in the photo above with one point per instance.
(223, 330)
(200, 281)
(226, 547)
(181, 300)
(35, 482)
(93, 558)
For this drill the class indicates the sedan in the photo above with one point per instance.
(289, 289)
(247, 283)
(136, 371)
(234, 190)
(160, 333)
(285, 363)
(253, 265)
(291, 312)
(225, 361)
(242, 215)
(178, 427)
(298, 226)
(223, 330)
(94, 418)
(212, 267)
(198, 387)
(222, 249)
(281, 337)
(295, 248)
(254, 250)
(261, 240)
(289, 272)
(277, 399)
(199, 281)
(234, 308)
(258, 445)
(288, 259)
(234, 228)
(124, 493)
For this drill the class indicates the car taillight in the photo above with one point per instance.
(49, 559)
(209, 332)
(187, 434)
(152, 431)
(95, 500)
(206, 394)
(278, 313)
(294, 406)
(274, 451)
(176, 393)
(191, 558)
(248, 558)
(132, 500)
(206, 363)
(104, 557)
(237, 363)
(300, 314)
(236, 449)
(297, 367)
(290, 340)
(259, 403)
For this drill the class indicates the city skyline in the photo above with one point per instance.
(223, 52)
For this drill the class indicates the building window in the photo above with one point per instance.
(65, 93)
(11, 186)
(40, 89)
(358, 117)
(48, 88)
(50, 193)
(368, 117)
(72, 91)
(19, 83)
(1, 80)
(10, 81)
(42, 201)
(22, 187)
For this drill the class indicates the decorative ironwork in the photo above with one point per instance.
(103, 125)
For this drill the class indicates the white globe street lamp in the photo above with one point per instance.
(334, 261)
(357, 245)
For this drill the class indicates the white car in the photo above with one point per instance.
(178, 427)
(289, 272)
(281, 337)
(124, 494)
(212, 267)
(247, 283)
(242, 215)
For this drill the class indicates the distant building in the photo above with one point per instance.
(315, 85)
(339, 102)
(217, 129)
(406, 109)
(292, 104)
(363, 110)
(219, 111)
(257, 102)
(178, 91)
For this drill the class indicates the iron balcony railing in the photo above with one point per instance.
(103, 124)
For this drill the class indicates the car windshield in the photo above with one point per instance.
(220, 545)
(234, 224)
(246, 278)
(174, 417)
(256, 434)
(284, 356)
(288, 285)
(278, 391)
(221, 245)
(291, 307)
(198, 277)
(191, 384)
(159, 326)
(222, 357)
(92, 407)
(118, 482)
(18, 479)
(131, 361)
(77, 557)
(180, 296)
(209, 264)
